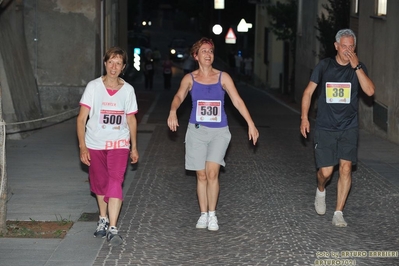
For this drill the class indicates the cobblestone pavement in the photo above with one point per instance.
(265, 210)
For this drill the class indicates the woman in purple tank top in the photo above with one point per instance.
(208, 135)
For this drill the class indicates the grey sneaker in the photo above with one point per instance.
(202, 221)
(338, 219)
(113, 238)
(213, 223)
(102, 227)
(320, 204)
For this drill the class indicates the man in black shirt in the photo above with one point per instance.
(338, 81)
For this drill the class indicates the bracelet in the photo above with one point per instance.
(359, 66)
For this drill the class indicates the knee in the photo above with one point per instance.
(345, 169)
(212, 175)
(325, 173)
(201, 177)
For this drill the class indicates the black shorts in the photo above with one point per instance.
(331, 146)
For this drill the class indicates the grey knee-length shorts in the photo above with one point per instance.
(205, 144)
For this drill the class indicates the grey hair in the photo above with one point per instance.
(345, 33)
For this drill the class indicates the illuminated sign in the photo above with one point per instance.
(219, 4)
(230, 37)
(136, 58)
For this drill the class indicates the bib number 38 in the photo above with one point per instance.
(338, 92)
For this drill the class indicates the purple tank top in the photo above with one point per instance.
(208, 104)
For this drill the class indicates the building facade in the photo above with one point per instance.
(268, 52)
(62, 43)
(374, 23)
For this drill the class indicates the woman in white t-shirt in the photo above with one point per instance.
(107, 130)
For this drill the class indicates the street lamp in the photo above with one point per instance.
(217, 29)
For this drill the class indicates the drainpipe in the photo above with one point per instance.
(102, 35)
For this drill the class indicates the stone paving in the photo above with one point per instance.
(265, 210)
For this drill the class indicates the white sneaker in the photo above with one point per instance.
(202, 221)
(102, 227)
(320, 204)
(338, 219)
(213, 223)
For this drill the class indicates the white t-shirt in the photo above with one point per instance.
(107, 128)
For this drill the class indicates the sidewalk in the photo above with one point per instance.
(266, 214)
(47, 183)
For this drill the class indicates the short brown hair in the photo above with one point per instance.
(115, 51)
(196, 46)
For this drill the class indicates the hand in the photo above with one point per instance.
(253, 134)
(134, 155)
(85, 156)
(305, 127)
(173, 123)
(353, 59)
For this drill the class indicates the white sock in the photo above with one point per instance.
(319, 193)
(338, 212)
(204, 213)
(212, 213)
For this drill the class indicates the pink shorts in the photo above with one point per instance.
(107, 172)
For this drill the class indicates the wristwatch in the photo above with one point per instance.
(359, 66)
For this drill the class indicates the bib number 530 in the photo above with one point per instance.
(209, 110)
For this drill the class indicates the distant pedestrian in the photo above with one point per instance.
(248, 61)
(106, 129)
(167, 73)
(339, 81)
(156, 55)
(208, 135)
(231, 60)
(148, 70)
(238, 63)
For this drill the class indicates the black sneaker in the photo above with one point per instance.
(102, 227)
(113, 238)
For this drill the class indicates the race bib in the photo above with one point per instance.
(111, 119)
(209, 111)
(338, 92)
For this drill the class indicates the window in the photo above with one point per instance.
(299, 19)
(355, 7)
(382, 8)
(266, 46)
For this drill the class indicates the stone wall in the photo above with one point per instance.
(378, 48)
(63, 39)
(19, 93)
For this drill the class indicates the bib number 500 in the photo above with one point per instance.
(112, 119)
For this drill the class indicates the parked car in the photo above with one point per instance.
(177, 48)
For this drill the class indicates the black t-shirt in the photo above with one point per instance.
(148, 65)
(338, 87)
